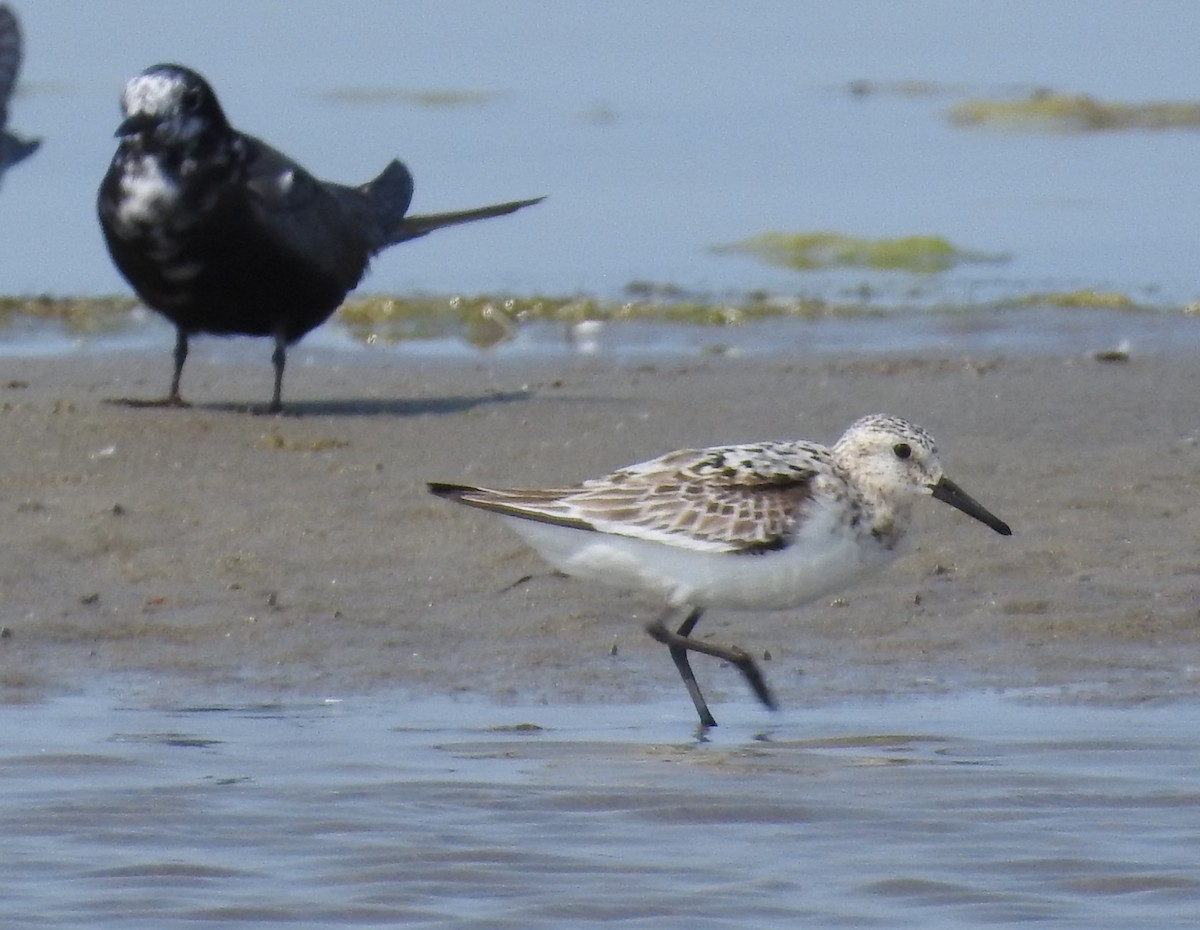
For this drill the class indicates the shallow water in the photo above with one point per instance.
(656, 131)
(656, 134)
(1021, 332)
(649, 160)
(126, 807)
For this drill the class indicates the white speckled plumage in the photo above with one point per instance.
(149, 195)
(165, 97)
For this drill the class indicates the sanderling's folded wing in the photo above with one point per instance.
(727, 499)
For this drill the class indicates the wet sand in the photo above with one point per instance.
(301, 555)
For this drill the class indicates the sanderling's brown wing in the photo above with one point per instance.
(726, 499)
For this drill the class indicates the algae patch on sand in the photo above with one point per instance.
(813, 251)
(1086, 298)
(868, 87)
(432, 97)
(76, 314)
(1052, 111)
(485, 321)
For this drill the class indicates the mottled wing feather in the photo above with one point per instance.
(729, 499)
(721, 518)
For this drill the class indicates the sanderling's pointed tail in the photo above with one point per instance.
(452, 492)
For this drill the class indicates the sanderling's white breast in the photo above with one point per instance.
(763, 526)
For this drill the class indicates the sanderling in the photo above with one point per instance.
(765, 526)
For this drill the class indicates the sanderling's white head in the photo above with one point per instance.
(893, 462)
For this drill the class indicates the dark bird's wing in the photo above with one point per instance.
(13, 148)
(10, 56)
(328, 227)
(336, 227)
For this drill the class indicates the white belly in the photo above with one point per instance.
(824, 558)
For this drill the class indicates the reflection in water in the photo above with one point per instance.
(946, 812)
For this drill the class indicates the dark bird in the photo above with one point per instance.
(220, 233)
(12, 147)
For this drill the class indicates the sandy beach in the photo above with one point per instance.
(216, 548)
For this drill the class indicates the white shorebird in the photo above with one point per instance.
(765, 526)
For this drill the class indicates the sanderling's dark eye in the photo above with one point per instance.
(902, 449)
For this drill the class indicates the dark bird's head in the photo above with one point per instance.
(169, 106)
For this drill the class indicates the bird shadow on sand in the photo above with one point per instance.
(347, 406)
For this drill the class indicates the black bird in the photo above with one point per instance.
(12, 147)
(220, 233)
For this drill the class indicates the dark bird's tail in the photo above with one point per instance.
(413, 227)
(391, 193)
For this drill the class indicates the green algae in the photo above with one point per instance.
(1086, 297)
(489, 320)
(485, 321)
(865, 87)
(1046, 110)
(812, 251)
(75, 315)
(428, 97)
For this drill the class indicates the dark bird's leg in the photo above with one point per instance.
(172, 399)
(278, 359)
(181, 351)
(680, 643)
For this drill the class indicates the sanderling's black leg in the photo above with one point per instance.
(679, 653)
(680, 642)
